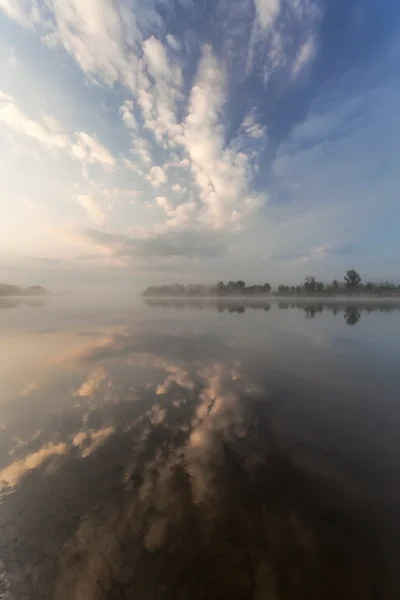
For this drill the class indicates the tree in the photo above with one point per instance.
(319, 286)
(240, 285)
(283, 289)
(352, 279)
(221, 288)
(310, 283)
(266, 287)
(335, 284)
(231, 287)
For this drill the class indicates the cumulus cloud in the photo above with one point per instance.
(177, 188)
(126, 111)
(157, 176)
(223, 174)
(177, 100)
(164, 203)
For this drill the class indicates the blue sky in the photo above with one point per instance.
(198, 140)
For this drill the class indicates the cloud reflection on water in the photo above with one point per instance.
(188, 470)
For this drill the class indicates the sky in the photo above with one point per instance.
(146, 141)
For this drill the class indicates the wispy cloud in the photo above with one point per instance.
(186, 244)
(47, 131)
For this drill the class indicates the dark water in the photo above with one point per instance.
(202, 450)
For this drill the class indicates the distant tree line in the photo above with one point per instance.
(14, 290)
(232, 288)
(352, 284)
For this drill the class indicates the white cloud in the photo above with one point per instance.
(305, 54)
(25, 12)
(251, 128)
(181, 214)
(317, 253)
(130, 165)
(267, 11)
(98, 200)
(88, 149)
(127, 115)
(47, 131)
(160, 90)
(177, 188)
(92, 208)
(164, 203)
(157, 176)
(157, 59)
(94, 33)
(222, 174)
(273, 40)
(141, 149)
(173, 42)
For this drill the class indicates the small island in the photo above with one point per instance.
(352, 285)
(9, 290)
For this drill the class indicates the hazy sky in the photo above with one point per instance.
(197, 140)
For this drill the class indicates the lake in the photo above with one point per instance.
(202, 449)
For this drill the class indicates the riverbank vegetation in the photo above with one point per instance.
(352, 284)
(7, 290)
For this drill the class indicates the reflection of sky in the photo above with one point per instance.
(126, 434)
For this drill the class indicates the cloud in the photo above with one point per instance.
(177, 188)
(177, 216)
(185, 244)
(160, 92)
(304, 56)
(25, 12)
(90, 150)
(98, 200)
(141, 149)
(283, 36)
(126, 111)
(267, 11)
(164, 203)
(96, 35)
(253, 129)
(222, 173)
(157, 176)
(47, 131)
(92, 208)
(314, 254)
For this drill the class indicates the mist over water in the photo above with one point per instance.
(199, 448)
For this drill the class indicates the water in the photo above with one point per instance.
(199, 449)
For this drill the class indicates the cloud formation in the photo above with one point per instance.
(171, 243)
(223, 119)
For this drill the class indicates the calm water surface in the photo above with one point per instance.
(199, 449)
